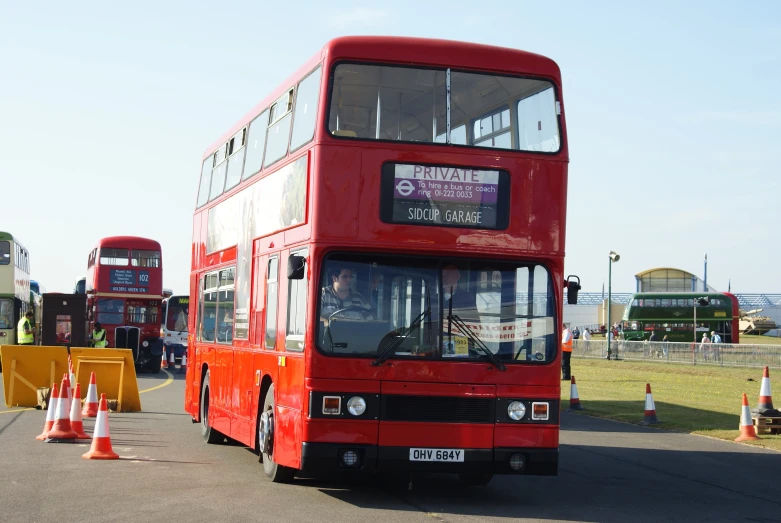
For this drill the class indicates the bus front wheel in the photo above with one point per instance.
(276, 473)
(209, 434)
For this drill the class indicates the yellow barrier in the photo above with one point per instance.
(115, 374)
(29, 367)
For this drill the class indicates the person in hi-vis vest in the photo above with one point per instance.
(99, 337)
(24, 330)
(566, 352)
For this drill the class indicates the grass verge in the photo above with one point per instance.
(698, 400)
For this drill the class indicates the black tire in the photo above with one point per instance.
(153, 365)
(275, 472)
(208, 434)
(474, 479)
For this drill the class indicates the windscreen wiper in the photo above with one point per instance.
(390, 349)
(463, 327)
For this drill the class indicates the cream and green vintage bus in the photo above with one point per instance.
(14, 286)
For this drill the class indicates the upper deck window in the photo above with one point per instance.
(412, 105)
(5, 253)
(145, 258)
(114, 257)
(280, 118)
(206, 177)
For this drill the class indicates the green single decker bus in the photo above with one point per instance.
(672, 314)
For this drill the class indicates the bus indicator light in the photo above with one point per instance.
(332, 405)
(540, 411)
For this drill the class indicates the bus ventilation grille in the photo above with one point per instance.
(437, 409)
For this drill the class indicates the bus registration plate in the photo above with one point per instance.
(454, 455)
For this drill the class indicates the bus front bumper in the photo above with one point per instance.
(329, 458)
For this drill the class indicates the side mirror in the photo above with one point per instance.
(572, 289)
(295, 267)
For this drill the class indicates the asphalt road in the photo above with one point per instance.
(608, 472)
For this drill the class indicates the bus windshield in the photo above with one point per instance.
(5, 252)
(427, 308)
(111, 311)
(407, 104)
(176, 316)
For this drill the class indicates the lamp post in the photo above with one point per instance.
(614, 257)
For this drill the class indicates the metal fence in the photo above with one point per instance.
(723, 354)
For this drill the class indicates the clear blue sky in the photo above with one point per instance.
(673, 110)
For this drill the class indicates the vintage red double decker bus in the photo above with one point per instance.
(124, 287)
(377, 265)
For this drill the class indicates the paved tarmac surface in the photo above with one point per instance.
(608, 472)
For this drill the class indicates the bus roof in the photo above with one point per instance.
(7, 236)
(427, 52)
(131, 242)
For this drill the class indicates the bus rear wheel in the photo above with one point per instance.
(276, 473)
(209, 434)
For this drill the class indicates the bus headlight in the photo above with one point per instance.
(145, 344)
(356, 405)
(516, 410)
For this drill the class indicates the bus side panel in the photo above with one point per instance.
(242, 397)
(193, 375)
(221, 379)
(204, 358)
(287, 437)
(290, 381)
(265, 365)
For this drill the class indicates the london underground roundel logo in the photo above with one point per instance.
(405, 187)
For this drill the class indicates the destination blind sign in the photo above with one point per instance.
(124, 280)
(445, 196)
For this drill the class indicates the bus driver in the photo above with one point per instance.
(339, 295)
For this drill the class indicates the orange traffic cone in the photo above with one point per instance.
(72, 385)
(765, 396)
(171, 360)
(76, 422)
(67, 385)
(747, 430)
(62, 424)
(183, 365)
(51, 409)
(101, 439)
(650, 408)
(574, 400)
(164, 360)
(91, 403)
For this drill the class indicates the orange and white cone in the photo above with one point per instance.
(164, 360)
(76, 422)
(171, 360)
(91, 403)
(67, 381)
(61, 430)
(650, 407)
(72, 385)
(574, 399)
(747, 430)
(183, 365)
(765, 396)
(101, 438)
(51, 410)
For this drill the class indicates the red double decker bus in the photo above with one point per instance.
(124, 287)
(377, 265)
